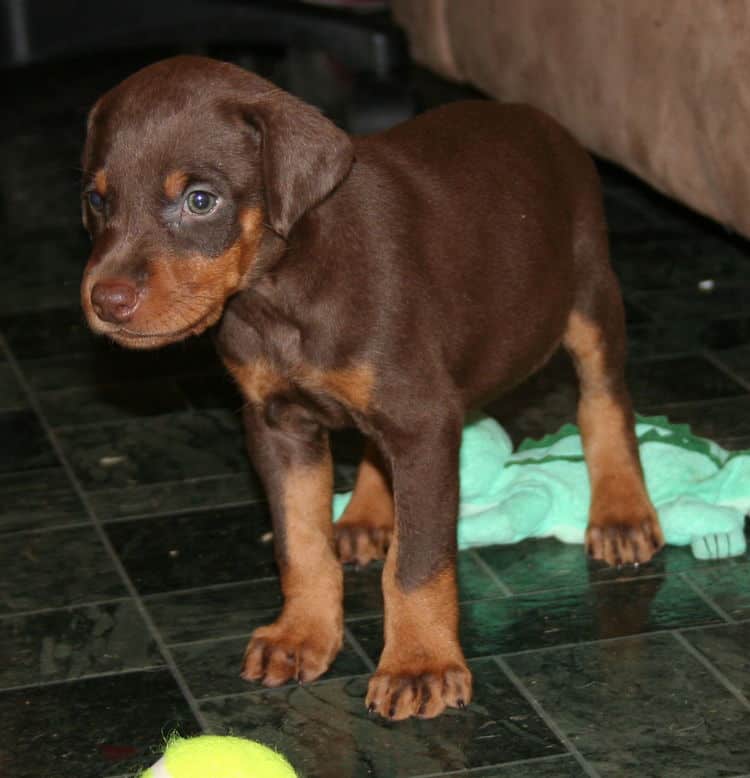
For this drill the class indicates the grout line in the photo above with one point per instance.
(546, 718)
(62, 608)
(258, 689)
(211, 588)
(361, 653)
(223, 639)
(697, 627)
(88, 677)
(104, 539)
(13, 408)
(501, 766)
(14, 533)
(596, 641)
(717, 363)
(175, 512)
(707, 598)
(712, 669)
(504, 588)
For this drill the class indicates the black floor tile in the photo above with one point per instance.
(174, 447)
(33, 499)
(687, 336)
(738, 360)
(677, 262)
(72, 643)
(218, 546)
(722, 300)
(725, 648)
(727, 584)
(24, 443)
(47, 333)
(100, 362)
(212, 668)
(556, 767)
(714, 419)
(12, 396)
(93, 728)
(175, 496)
(55, 569)
(683, 379)
(111, 402)
(216, 612)
(547, 619)
(311, 723)
(641, 706)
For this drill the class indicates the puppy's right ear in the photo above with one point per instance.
(304, 156)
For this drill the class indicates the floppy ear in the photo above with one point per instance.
(304, 156)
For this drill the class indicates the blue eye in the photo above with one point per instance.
(200, 203)
(96, 201)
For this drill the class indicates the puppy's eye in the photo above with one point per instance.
(96, 201)
(200, 203)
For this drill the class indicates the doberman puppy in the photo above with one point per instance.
(389, 282)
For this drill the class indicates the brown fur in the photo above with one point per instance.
(364, 531)
(390, 282)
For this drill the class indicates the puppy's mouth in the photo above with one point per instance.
(148, 340)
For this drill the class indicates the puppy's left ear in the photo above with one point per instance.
(304, 156)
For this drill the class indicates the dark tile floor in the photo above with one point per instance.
(133, 560)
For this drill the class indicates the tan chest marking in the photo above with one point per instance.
(352, 386)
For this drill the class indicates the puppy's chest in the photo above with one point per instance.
(269, 364)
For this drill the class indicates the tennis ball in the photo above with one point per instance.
(214, 756)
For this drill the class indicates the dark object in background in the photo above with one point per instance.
(366, 44)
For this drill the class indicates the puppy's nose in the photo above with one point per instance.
(114, 300)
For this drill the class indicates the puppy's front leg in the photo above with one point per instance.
(422, 669)
(292, 454)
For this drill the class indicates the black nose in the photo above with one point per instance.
(114, 300)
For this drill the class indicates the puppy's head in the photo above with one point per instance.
(186, 165)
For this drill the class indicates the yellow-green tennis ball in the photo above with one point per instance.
(214, 756)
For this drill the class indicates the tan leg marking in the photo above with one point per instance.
(304, 640)
(623, 526)
(422, 669)
(364, 531)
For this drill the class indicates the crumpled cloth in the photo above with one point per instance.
(700, 491)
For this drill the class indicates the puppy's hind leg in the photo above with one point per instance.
(364, 531)
(623, 526)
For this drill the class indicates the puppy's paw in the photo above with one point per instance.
(424, 692)
(361, 542)
(280, 652)
(624, 541)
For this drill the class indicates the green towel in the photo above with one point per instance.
(701, 492)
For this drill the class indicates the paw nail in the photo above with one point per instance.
(461, 704)
(371, 708)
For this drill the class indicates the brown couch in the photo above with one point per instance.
(660, 86)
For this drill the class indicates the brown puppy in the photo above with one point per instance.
(390, 282)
